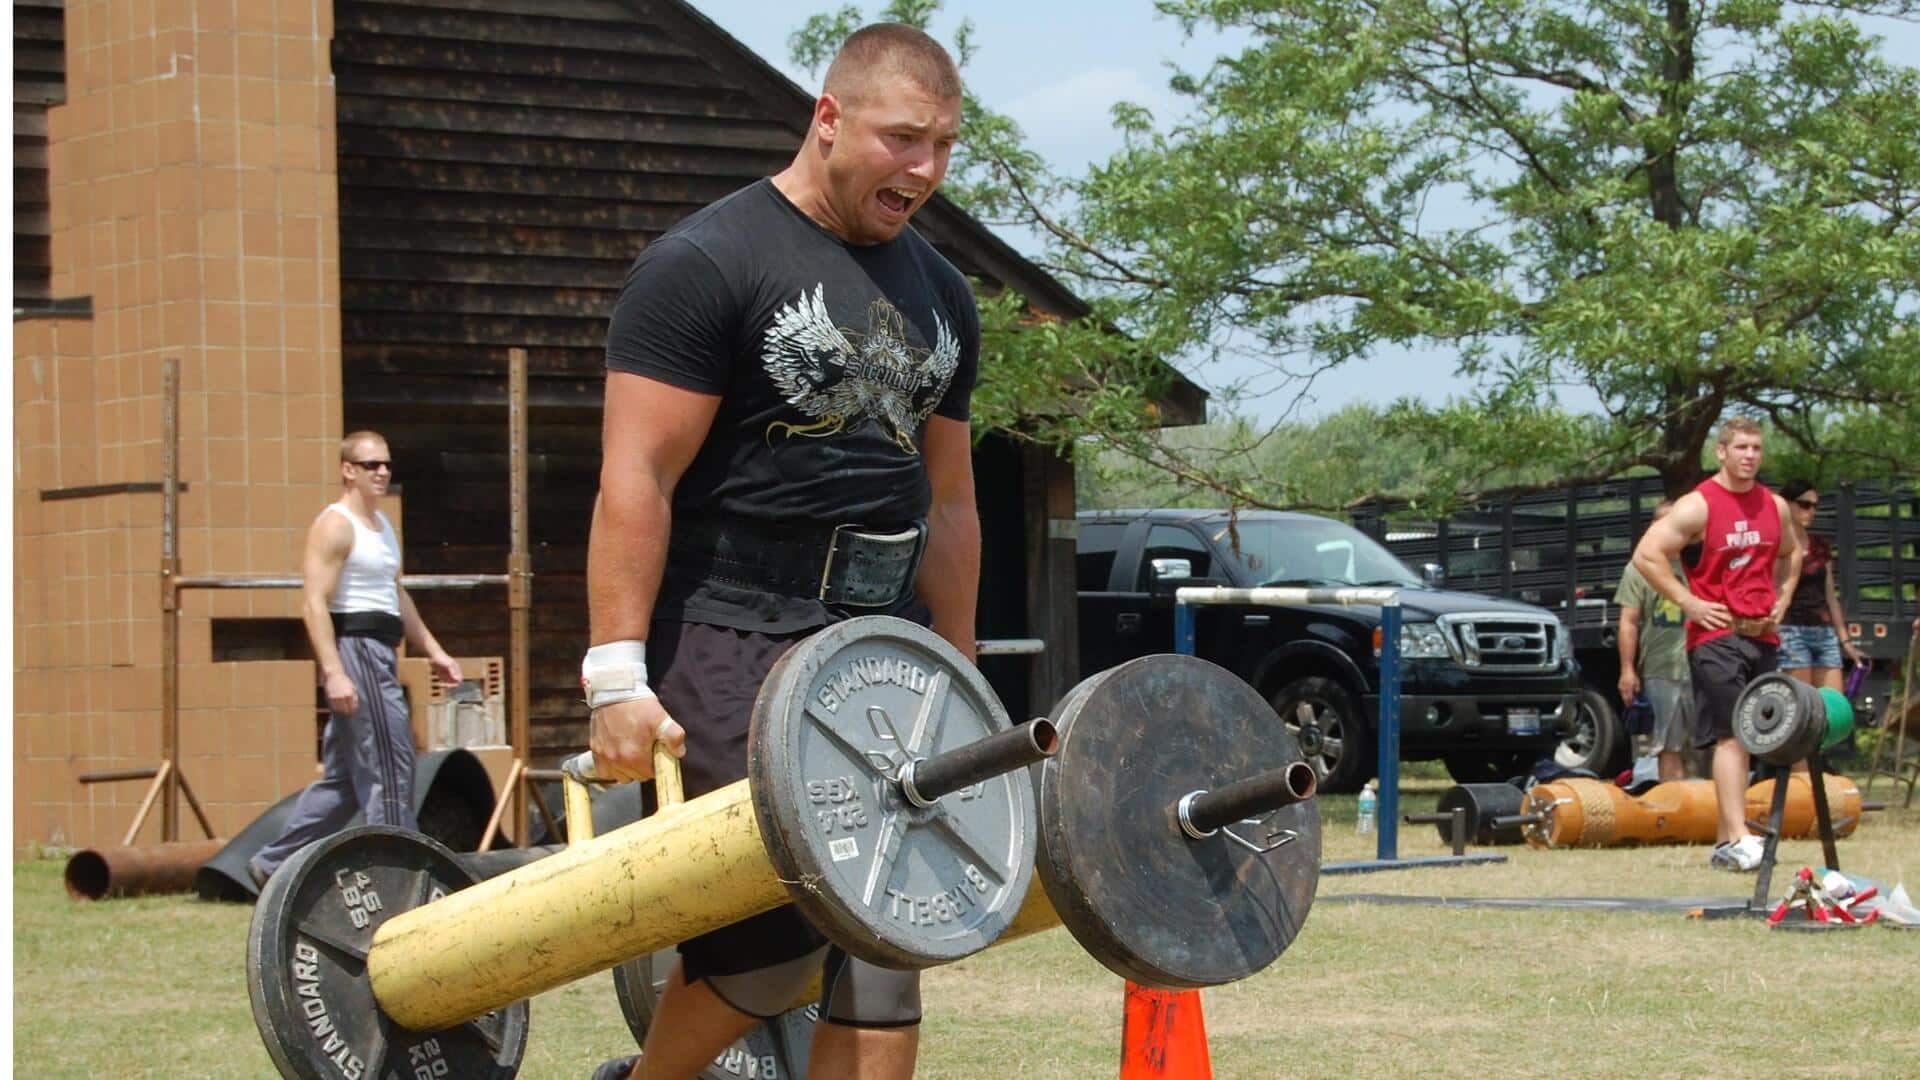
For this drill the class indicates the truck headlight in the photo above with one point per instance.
(1562, 643)
(1423, 641)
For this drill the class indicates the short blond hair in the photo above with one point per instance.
(873, 53)
(354, 439)
(1735, 425)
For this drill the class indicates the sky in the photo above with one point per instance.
(1058, 67)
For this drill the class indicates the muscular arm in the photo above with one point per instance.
(949, 580)
(329, 542)
(1662, 544)
(1786, 565)
(650, 434)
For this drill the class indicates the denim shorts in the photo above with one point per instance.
(1809, 647)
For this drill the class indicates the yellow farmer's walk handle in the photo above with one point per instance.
(580, 771)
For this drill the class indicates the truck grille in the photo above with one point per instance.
(1501, 642)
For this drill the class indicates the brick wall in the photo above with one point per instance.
(193, 198)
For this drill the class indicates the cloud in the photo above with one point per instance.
(1070, 120)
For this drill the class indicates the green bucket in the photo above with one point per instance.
(1839, 717)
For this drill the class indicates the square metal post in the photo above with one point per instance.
(1388, 814)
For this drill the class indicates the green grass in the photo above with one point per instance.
(156, 987)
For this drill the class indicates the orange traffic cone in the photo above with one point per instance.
(1164, 1037)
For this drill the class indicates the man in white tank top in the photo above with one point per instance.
(356, 615)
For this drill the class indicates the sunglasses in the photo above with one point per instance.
(375, 465)
(1807, 504)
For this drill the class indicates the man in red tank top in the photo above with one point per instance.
(1737, 588)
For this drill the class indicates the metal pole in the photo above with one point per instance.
(169, 598)
(519, 581)
(1389, 814)
(1183, 636)
(1571, 554)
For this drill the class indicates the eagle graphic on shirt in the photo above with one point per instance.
(840, 378)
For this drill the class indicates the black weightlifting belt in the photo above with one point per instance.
(847, 565)
(381, 626)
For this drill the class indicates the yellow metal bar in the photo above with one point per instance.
(684, 871)
(667, 789)
(579, 810)
(1036, 915)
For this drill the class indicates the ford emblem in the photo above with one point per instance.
(1513, 643)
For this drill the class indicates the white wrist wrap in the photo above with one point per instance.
(615, 672)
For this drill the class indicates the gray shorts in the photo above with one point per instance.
(1672, 714)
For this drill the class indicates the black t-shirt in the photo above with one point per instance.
(828, 358)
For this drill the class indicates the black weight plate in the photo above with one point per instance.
(776, 1050)
(1146, 900)
(1483, 803)
(1779, 719)
(895, 884)
(307, 972)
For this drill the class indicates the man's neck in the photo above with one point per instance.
(360, 505)
(1738, 487)
(802, 187)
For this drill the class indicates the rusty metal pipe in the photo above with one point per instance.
(1208, 811)
(925, 780)
(108, 776)
(135, 871)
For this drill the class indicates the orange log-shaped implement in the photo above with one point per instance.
(1577, 812)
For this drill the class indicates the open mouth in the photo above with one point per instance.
(897, 200)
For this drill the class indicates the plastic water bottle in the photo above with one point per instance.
(1369, 806)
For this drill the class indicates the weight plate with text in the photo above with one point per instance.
(836, 720)
(307, 964)
(773, 1050)
(1144, 898)
(1779, 719)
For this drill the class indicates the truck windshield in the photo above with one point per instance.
(1308, 551)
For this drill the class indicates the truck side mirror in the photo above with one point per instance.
(1171, 569)
(1433, 574)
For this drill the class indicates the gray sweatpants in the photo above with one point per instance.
(367, 758)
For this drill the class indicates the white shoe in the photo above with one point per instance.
(1741, 855)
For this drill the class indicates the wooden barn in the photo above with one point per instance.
(342, 217)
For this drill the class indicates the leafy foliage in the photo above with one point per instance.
(1687, 209)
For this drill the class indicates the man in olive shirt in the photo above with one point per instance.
(1653, 660)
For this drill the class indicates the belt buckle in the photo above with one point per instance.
(834, 548)
(826, 565)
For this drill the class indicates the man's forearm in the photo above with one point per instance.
(1657, 567)
(1629, 643)
(326, 649)
(415, 627)
(949, 580)
(626, 557)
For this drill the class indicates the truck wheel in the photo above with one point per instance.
(1597, 743)
(1320, 714)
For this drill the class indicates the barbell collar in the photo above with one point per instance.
(923, 781)
(1203, 813)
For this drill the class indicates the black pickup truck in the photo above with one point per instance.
(1488, 686)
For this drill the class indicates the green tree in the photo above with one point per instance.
(1688, 208)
